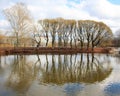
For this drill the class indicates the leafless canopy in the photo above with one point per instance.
(19, 18)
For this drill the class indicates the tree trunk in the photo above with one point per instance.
(88, 45)
(38, 44)
(75, 44)
(71, 43)
(59, 42)
(17, 40)
(47, 40)
(81, 44)
(92, 45)
(53, 41)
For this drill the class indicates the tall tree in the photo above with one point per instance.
(19, 18)
(92, 33)
(45, 24)
(72, 30)
(101, 35)
(60, 31)
(80, 34)
(68, 31)
(54, 26)
(37, 34)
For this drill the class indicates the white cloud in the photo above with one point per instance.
(4, 24)
(104, 11)
(100, 10)
(63, 8)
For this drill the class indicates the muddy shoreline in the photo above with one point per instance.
(49, 50)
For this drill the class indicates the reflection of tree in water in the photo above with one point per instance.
(87, 69)
(22, 74)
(92, 70)
(1, 69)
(57, 69)
(118, 60)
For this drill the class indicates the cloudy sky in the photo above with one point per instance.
(107, 11)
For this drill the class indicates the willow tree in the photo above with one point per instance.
(85, 30)
(72, 30)
(92, 33)
(54, 26)
(37, 34)
(68, 31)
(51, 27)
(19, 18)
(80, 34)
(60, 31)
(101, 35)
(89, 28)
(45, 24)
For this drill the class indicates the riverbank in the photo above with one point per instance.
(47, 50)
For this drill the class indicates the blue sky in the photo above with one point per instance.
(107, 11)
(115, 1)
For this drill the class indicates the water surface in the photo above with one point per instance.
(60, 75)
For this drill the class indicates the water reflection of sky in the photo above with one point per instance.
(113, 89)
(72, 89)
(3, 92)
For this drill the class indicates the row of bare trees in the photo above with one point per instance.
(71, 33)
(58, 32)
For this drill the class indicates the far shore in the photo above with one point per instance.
(50, 50)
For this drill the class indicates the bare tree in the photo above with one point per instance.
(116, 41)
(67, 31)
(85, 30)
(19, 18)
(37, 34)
(93, 33)
(101, 35)
(80, 34)
(60, 31)
(72, 30)
(45, 28)
(54, 26)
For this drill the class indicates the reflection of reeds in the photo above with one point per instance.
(88, 71)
